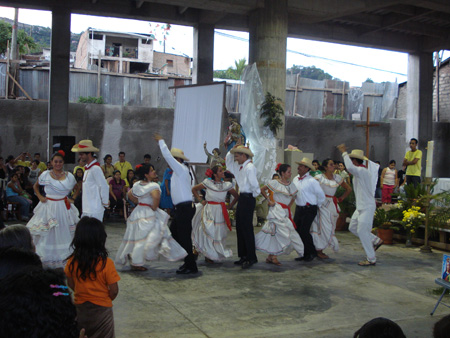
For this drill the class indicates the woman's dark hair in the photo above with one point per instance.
(29, 308)
(17, 236)
(142, 170)
(228, 175)
(36, 161)
(325, 163)
(9, 158)
(106, 157)
(380, 328)
(442, 327)
(79, 178)
(283, 168)
(392, 161)
(215, 169)
(274, 176)
(128, 174)
(115, 172)
(89, 249)
(315, 161)
(57, 154)
(14, 260)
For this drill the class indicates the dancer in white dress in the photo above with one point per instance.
(55, 217)
(211, 224)
(278, 235)
(147, 235)
(324, 225)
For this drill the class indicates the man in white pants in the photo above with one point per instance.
(364, 184)
(95, 196)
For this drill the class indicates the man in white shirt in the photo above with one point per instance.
(364, 185)
(238, 161)
(310, 196)
(95, 195)
(181, 226)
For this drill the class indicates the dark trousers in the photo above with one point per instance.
(413, 180)
(181, 228)
(244, 227)
(303, 218)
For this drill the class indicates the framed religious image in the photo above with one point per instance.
(446, 268)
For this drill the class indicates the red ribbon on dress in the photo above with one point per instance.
(284, 206)
(224, 212)
(145, 205)
(335, 201)
(65, 199)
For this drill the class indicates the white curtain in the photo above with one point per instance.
(198, 118)
(262, 141)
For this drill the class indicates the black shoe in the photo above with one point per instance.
(308, 258)
(240, 261)
(181, 268)
(248, 264)
(299, 259)
(187, 271)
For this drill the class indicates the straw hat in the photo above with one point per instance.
(178, 153)
(242, 150)
(307, 162)
(85, 146)
(358, 153)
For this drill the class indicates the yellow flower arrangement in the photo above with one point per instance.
(412, 218)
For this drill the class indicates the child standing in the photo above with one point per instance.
(93, 277)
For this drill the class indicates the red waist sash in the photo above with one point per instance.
(224, 212)
(284, 206)
(145, 205)
(335, 201)
(65, 199)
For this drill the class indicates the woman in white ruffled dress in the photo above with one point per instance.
(147, 235)
(55, 217)
(211, 224)
(324, 225)
(278, 235)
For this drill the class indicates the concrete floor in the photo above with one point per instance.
(318, 299)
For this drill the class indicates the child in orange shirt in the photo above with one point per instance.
(93, 278)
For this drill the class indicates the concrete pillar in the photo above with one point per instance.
(268, 40)
(202, 71)
(58, 105)
(419, 115)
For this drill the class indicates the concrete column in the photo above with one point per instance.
(268, 34)
(202, 71)
(58, 105)
(419, 115)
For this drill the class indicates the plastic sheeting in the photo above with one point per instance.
(261, 139)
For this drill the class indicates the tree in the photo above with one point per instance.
(25, 42)
(369, 80)
(309, 72)
(232, 73)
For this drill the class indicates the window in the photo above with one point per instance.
(96, 37)
(169, 63)
(146, 41)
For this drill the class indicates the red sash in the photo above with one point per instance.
(284, 206)
(224, 212)
(335, 201)
(145, 205)
(65, 199)
(91, 165)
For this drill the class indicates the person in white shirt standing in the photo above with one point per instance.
(95, 196)
(309, 198)
(181, 193)
(364, 184)
(239, 163)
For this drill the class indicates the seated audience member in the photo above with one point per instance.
(441, 328)
(108, 168)
(117, 190)
(15, 193)
(79, 166)
(17, 236)
(130, 176)
(3, 169)
(122, 165)
(35, 171)
(380, 328)
(10, 165)
(49, 165)
(15, 260)
(23, 159)
(37, 303)
(41, 164)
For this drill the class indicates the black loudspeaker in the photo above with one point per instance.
(65, 143)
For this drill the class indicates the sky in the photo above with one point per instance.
(229, 46)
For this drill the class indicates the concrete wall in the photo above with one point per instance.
(130, 129)
(444, 93)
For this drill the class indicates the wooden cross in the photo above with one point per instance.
(367, 126)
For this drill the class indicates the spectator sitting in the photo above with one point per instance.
(35, 171)
(117, 188)
(122, 165)
(15, 193)
(49, 165)
(3, 169)
(37, 303)
(17, 236)
(130, 176)
(108, 168)
(10, 165)
(380, 328)
(79, 166)
(41, 164)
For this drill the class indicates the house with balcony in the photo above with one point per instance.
(118, 52)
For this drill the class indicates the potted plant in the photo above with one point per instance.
(384, 224)
(347, 207)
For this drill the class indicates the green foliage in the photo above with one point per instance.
(25, 42)
(91, 99)
(271, 110)
(383, 219)
(232, 73)
(347, 206)
(369, 80)
(334, 117)
(309, 72)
